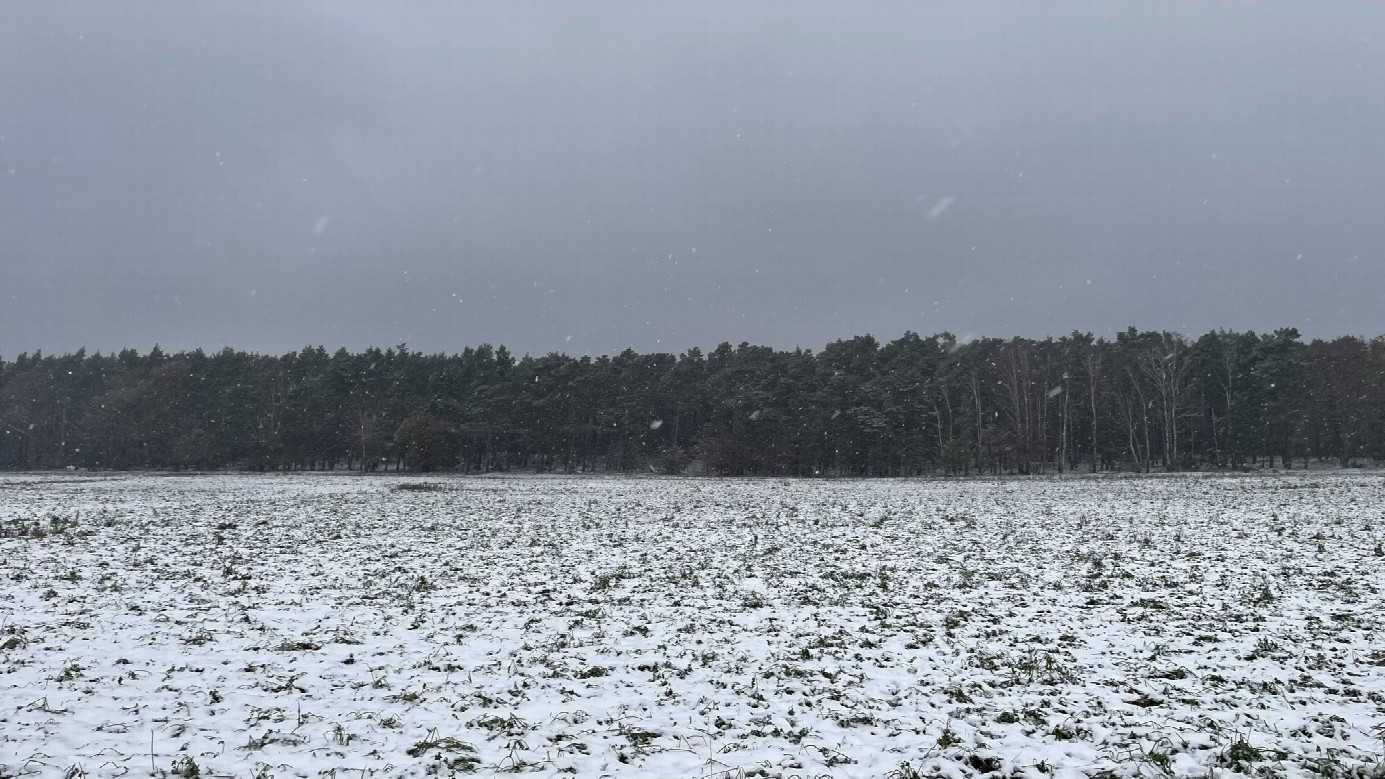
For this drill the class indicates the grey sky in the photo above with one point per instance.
(589, 176)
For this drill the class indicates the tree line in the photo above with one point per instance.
(916, 405)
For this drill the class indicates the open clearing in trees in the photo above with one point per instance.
(341, 626)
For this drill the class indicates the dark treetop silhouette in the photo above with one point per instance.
(1147, 400)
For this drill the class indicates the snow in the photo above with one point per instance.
(942, 205)
(332, 625)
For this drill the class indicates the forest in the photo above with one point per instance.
(1145, 401)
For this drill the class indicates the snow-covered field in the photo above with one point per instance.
(257, 626)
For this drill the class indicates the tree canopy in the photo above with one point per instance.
(915, 405)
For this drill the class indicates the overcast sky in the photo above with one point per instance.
(584, 177)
